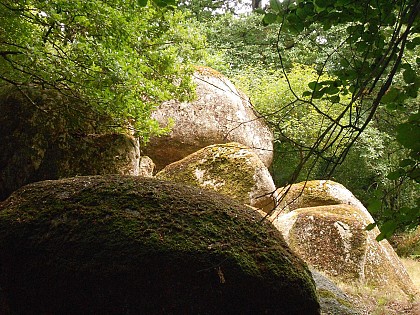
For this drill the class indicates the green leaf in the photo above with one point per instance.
(406, 162)
(390, 96)
(408, 134)
(409, 76)
(387, 229)
(413, 43)
(314, 84)
(331, 90)
(269, 18)
(142, 3)
(414, 174)
(335, 99)
(319, 93)
(380, 237)
(296, 23)
(322, 3)
(375, 205)
(370, 226)
(395, 175)
(164, 3)
(275, 5)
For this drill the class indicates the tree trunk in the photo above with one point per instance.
(256, 4)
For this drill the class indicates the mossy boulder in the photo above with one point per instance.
(231, 169)
(220, 114)
(130, 245)
(315, 193)
(46, 135)
(332, 299)
(333, 239)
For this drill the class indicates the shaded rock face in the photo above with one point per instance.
(220, 114)
(44, 136)
(122, 244)
(146, 167)
(96, 154)
(332, 299)
(231, 169)
(333, 239)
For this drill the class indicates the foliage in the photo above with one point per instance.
(373, 63)
(205, 10)
(239, 42)
(120, 57)
(297, 125)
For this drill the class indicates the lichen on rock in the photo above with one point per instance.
(315, 193)
(333, 239)
(122, 244)
(220, 114)
(231, 169)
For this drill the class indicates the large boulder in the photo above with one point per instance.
(131, 245)
(43, 135)
(315, 193)
(231, 169)
(220, 114)
(333, 239)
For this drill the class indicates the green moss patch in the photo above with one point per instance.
(216, 167)
(120, 244)
(231, 169)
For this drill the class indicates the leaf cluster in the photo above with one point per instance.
(120, 57)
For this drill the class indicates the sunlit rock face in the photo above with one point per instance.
(135, 245)
(333, 239)
(220, 114)
(44, 135)
(325, 224)
(231, 169)
(315, 193)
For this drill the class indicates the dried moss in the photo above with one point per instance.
(116, 244)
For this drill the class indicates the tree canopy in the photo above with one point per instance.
(120, 57)
(374, 65)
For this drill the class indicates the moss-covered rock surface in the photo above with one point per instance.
(231, 169)
(45, 135)
(126, 245)
(333, 239)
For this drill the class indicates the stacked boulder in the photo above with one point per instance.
(217, 143)
(231, 169)
(114, 244)
(220, 114)
(325, 225)
(322, 221)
